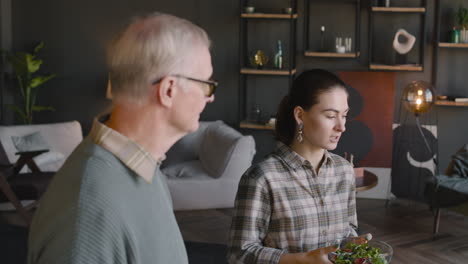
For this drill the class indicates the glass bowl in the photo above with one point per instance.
(385, 248)
(354, 255)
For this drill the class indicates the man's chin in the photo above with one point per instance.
(194, 127)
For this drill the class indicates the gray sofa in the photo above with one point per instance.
(203, 168)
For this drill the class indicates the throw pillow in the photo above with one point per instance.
(186, 169)
(187, 148)
(30, 142)
(48, 157)
(216, 148)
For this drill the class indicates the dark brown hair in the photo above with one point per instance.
(304, 92)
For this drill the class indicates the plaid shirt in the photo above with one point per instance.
(133, 155)
(284, 206)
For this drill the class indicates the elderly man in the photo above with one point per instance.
(109, 203)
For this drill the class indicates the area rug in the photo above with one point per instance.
(13, 244)
(13, 248)
(206, 253)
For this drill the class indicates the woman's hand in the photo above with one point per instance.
(317, 256)
(357, 240)
(320, 255)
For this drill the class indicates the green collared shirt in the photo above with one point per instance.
(108, 204)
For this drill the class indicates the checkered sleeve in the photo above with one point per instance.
(352, 216)
(251, 220)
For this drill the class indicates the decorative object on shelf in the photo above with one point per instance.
(407, 45)
(348, 44)
(287, 10)
(25, 66)
(279, 56)
(418, 97)
(455, 36)
(249, 9)
(255, 114)
(385, 3)
(259, 60)
(404, 47)
(462, 21)
(272, 121)
(322, 39)
(340, 48)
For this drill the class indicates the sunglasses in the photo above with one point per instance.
(209, 87)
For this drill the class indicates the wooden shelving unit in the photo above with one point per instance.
(267, 71)
(272, 24)
(246, 124)
(399, 9)
(451, 103)
(412, 67)
(331, 54)
(452, 45)
(269, 16)
(312, 50)
(377, 62)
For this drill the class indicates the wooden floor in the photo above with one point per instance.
(405, 225)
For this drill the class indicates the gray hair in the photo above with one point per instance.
(148, 49)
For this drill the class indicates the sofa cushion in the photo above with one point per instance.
(186, 169)
(61, 137)
(187, 148)
(217, 147)
(30, 142)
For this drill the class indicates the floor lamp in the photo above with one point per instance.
(418, 98)
(414, 144)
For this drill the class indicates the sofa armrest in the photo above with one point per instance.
(241, 158)
(225, 151)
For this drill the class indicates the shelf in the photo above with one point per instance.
(399, 9)
(267, 72)
(264, 15)
(246, 124)
(404, 67)
(453, 45)
(331, 54)
(451, 103)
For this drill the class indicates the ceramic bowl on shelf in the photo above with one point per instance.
(287, 10)
(249, 9)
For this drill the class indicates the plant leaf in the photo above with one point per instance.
(32, 63)
(38, 80)
(38, 108)
(39, 47)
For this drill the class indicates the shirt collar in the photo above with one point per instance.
(295, 160)
(133, 155)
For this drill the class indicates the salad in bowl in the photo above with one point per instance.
(372, 252)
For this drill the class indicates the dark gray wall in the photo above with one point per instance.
(76, 32)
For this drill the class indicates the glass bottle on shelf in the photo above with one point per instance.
(322, 39)
(279, 56)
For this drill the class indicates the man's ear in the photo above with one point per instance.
(165, 91)
(298, 113)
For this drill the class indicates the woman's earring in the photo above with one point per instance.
(299, 133)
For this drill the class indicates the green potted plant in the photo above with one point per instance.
(462, 21)
(25, 68)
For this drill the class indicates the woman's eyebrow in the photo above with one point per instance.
(335, 110)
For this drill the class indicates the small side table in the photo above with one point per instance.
(368, 181)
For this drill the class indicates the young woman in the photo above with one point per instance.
(294, 205)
